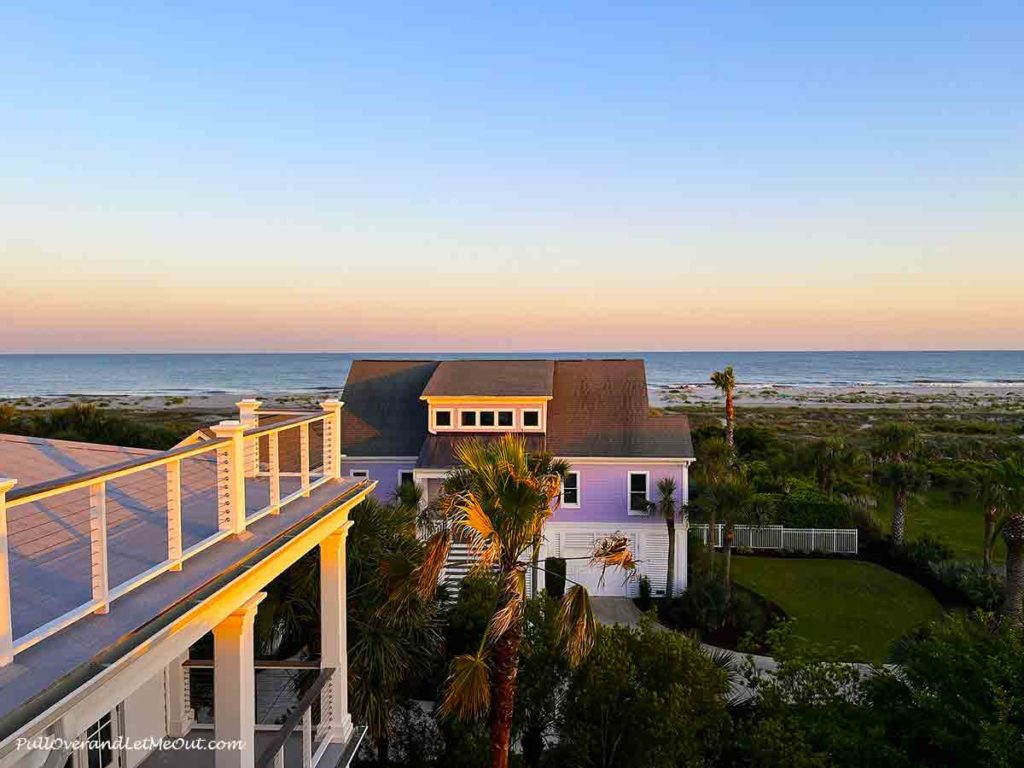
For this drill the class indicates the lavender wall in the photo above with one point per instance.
(384, 472)
(604, 494)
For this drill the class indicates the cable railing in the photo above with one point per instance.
(71, 546)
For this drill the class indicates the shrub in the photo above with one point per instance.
(643, 698)
(644, 599)
(925, 549)
(554, 579)
(970, 583)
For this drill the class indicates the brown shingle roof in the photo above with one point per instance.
(600, 408)
(492, 378)
(383, 413)
(439, 450)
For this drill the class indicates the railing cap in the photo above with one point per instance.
(249, 402)
(228, 428)
(331, 404)
(6, 483)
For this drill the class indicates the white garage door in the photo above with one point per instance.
(613, 584)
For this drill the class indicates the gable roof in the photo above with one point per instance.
(492, 378)
(383, 413)
(600, 408)
(597, 408)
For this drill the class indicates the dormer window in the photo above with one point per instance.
(531, 419)
(442, 418)
(468, 418)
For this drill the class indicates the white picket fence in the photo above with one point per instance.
(842, 541)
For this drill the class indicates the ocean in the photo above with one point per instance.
(184, 374)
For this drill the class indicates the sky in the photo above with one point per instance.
(552, 176)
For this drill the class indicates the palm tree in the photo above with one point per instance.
(716, 461)
(991, 490)
(731, 501)
(1009, 474)
(725, 380)
(499, 499)
(667, 506)
(833, 459)
(895, 445)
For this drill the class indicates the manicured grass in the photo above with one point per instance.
(961, 525)
(857, 607)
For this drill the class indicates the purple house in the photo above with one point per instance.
(403, 419)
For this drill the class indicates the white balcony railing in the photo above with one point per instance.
(841, 541)
(202, 493)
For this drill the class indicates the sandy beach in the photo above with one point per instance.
(1008, 397)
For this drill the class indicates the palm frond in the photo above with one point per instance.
(434, 559)
(467, 692)
(613, 551)
(576, 624)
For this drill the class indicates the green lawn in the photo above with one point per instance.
(844, 603)
(959, 525)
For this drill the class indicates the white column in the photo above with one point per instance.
(332, 447)
(682, 556)
(333, 629)
(234, 686)
(231, 477)
(686, 485)
(98, 546)
(249, 419)
(6, 630)
(179, 710)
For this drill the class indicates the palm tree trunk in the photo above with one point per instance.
(990, 540)
(503, 689)
(730, 419)
(728, 558)
(671, 570)
(899, 516)
(1014, 581)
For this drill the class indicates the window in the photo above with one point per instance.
(486, 418)
(405, 477)
(442, 418)
(359, 474)
(638, 493)
(469, 418)
(100, 738)
(571, 489)
(506, 418)
(531, 419)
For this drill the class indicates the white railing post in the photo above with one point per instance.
(274, 468)
(98, 545)
(231, 477)
(332, 437)
(174, 548)
(334, 631)
(249, 419)
(307, 738)
(6, 627)
(304, 456)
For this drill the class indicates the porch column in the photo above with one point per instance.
(334, 630)
(179, 709)
(686, 485)
(682, 556)
(234, 686)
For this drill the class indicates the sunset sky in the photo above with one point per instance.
(316, 177)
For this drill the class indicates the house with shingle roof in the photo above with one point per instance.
(403, 420)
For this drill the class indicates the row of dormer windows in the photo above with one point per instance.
(486, 418)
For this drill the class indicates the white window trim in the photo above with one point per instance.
(406, 472)
(451, 419)
(363, 474)
(540, 419)
(629, 491)
(579, 492)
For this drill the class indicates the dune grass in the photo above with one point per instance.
(856, 607)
